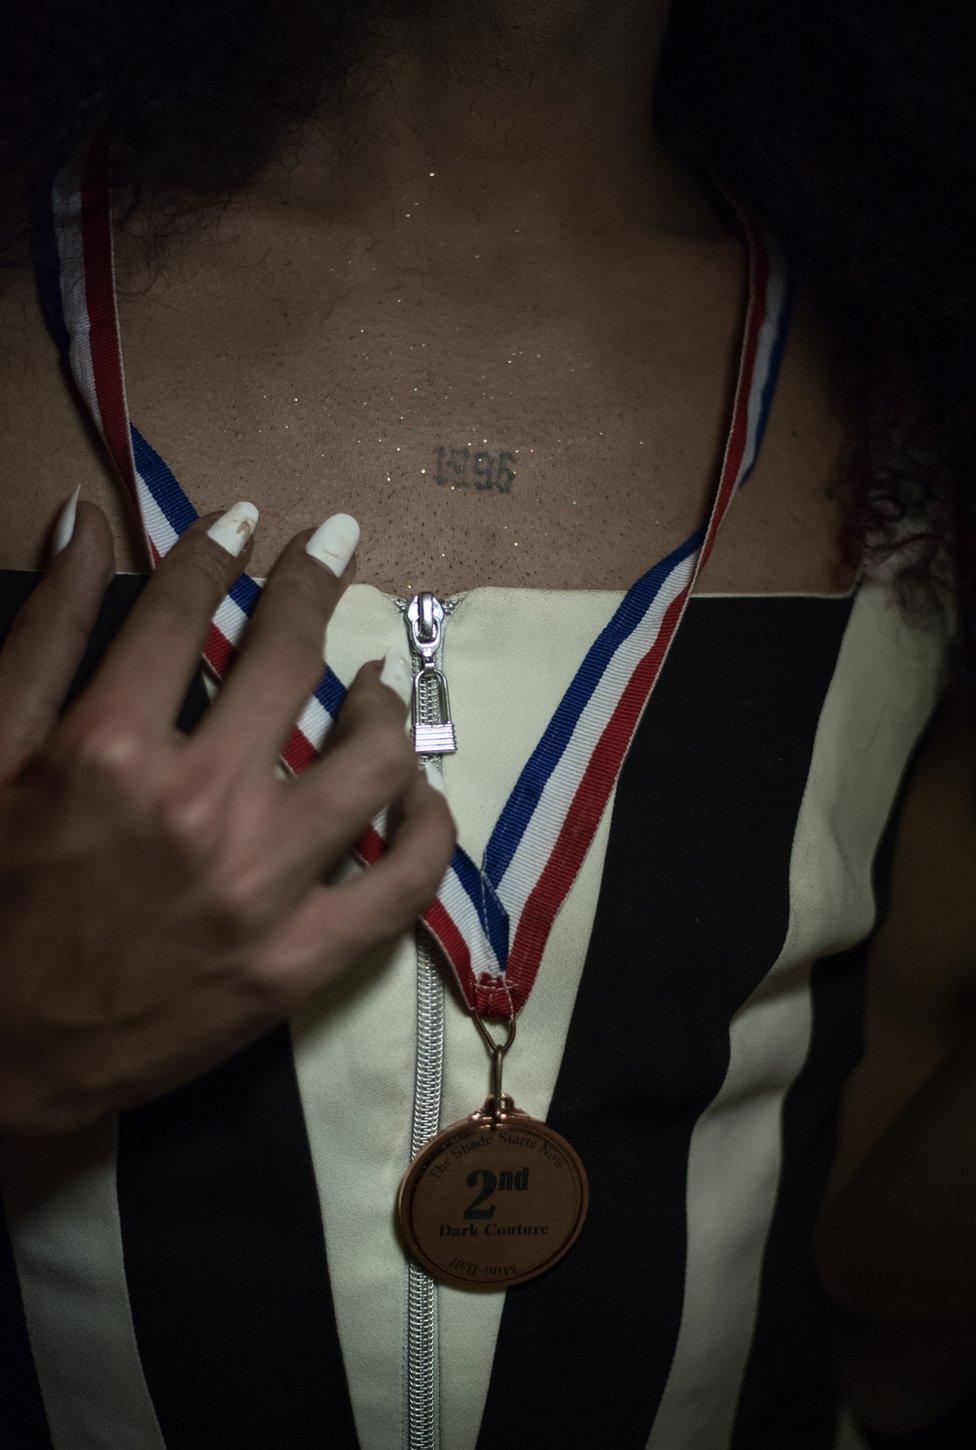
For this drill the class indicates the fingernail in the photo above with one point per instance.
(233, 529)
(397, 674)
(435, 777)
(65, 526)
(334, 542)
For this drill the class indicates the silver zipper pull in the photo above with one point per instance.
(433, 728)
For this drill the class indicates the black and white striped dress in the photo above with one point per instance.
(219, 1268)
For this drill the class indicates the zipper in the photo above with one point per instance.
(421, 1355)
(425, 617)
(433, 729)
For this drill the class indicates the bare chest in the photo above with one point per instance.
(544, 419)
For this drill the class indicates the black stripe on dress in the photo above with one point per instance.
(692, 913)
(224, 1251)
(226, 1262)
(23, 1423)
(221, 1225)
(789, 1386)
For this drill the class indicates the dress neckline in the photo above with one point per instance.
(533, 591)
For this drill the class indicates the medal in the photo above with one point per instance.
(499, 1197)
(493, 1200)
(496, 1198)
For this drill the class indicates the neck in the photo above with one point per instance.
(509, 115)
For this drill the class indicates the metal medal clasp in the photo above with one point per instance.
(498, 1104)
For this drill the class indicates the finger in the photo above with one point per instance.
(283, 657)
(148, 668)
(370, 764)
(337, 924)
(47, 639)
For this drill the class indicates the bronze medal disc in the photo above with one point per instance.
(492, 1201)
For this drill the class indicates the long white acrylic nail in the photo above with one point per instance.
(233, 529)
(334, 542)
(397, 674)
(65, 526)
(435, 777)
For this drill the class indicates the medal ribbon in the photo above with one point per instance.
(491, 922)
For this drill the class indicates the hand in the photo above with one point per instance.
(161, 895)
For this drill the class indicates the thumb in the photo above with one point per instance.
(47, 639)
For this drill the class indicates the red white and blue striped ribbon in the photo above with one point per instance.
(491, 922)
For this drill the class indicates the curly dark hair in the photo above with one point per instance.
(849, 128)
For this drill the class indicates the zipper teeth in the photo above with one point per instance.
(422, 1365)
(422, 1428)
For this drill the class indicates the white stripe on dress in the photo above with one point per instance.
(883, 690)
(848, 1436)
(63, 1215)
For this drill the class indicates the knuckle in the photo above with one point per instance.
(237, 913)
(298, 589)
(102, 751)
(268, 990)
(196, 551)
(168, 603)
(389, 756)
(299, 655)
(307, 583)
(184, 823)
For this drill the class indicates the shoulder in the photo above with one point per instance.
(926, 948)
(921, 971)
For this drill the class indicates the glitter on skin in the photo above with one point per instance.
(458, 340)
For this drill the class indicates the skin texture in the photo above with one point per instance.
(558, 290)
(161, 897)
